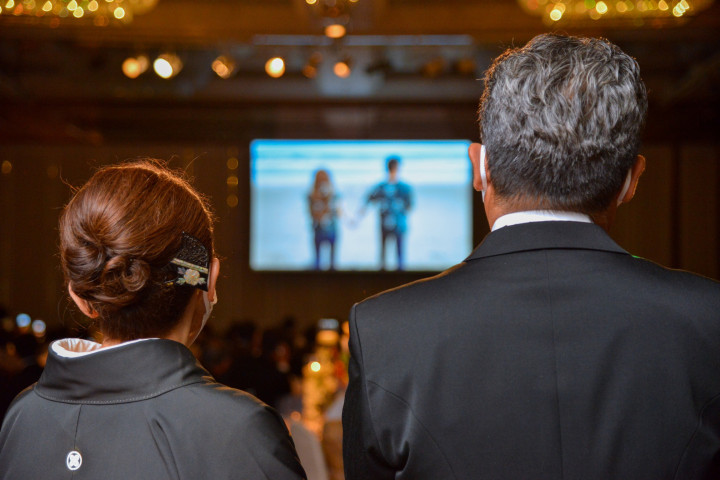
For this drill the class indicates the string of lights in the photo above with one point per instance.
(606, 10)
(101, 12)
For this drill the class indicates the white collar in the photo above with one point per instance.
(529, 216)
(77, 347)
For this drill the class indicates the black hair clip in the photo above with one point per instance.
(192, 263)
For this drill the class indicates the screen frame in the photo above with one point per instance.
(471, 224)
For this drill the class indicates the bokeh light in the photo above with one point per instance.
(133, 67)
(223, 66)
(275, 67)
(335, 31)
(23, 320)
(39, 328)
(342, 69)
(167, 65)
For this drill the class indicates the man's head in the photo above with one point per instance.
(561, 119)
(392, 164)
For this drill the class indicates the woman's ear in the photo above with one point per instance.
(195, 316)
(212, 278)
(82, 304)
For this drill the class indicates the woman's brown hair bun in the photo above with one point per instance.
(117, 237)
(122, 278)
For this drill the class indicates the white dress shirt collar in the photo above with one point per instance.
(529, 216)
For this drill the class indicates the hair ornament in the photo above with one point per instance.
(191, 263)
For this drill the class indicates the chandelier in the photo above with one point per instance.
(334, 14)
(637, 11)
(102, 12)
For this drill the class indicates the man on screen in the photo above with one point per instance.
(550, 352)
(394, 199)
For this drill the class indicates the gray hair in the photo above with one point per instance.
(561, 120)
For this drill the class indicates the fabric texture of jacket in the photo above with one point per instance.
(146, 410)
(550, 353)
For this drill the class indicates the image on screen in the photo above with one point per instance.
(359, 205)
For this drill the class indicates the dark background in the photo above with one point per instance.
(65, 108)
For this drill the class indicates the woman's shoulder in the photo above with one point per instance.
(220, 399)
(221, 392)
(220, 413)
(25, 397)
(229, 416)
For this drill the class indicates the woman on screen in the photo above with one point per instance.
(136, 249)
(324, 207)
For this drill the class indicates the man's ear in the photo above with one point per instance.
(474, 152)
(637, 169)
(82, 304)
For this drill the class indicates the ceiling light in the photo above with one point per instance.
(167, 65)
(335, 31)
(101, 11)
(275, 67)
(223, 66)
(133, 67)
(554, 11)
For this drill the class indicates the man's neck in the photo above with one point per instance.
(496, 207)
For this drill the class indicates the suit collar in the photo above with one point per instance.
(545, 235)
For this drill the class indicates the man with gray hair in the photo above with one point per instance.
(550, 352)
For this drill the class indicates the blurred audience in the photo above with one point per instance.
(22, 356)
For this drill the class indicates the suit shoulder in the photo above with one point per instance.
(682, 279)
(689, 295)
(429, 289)
(412, 287)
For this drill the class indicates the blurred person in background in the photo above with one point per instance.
(10, 365)
(332, 434)
(22, 356)
(137, 251)
(27, 350)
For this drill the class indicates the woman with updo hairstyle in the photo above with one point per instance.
(136, 249)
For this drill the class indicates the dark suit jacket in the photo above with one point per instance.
(550, 353)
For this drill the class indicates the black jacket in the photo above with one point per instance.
(550, 353)
(146, 410)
